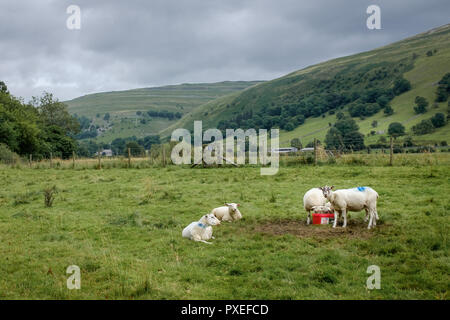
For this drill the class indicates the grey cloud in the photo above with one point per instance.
(129, 44)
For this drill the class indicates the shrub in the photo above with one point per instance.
(438, 120)
(424, 127)
(421, 105)
(49, 195)
(7, 156)
(401, 85)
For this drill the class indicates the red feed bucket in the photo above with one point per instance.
(322, 218)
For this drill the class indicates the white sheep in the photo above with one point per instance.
(201, 230)
(354, 199)
(313, 197)
(229, 212)
(327, 208)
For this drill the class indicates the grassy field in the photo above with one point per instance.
(122, 227)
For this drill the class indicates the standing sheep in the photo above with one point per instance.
(229, 212)
(313, 197)
(201, 230)
(354, 199)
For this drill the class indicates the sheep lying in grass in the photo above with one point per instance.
(229, 212)
(354, 199)
(201, 230)
(312, 198)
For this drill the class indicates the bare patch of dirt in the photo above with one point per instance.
(355, 229)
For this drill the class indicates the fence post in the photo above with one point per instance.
(391, 151)
(51, 159)
(99, 159)
(315, 151)
(31, 160)
(129, 157)
(164, 155)
(73, 159)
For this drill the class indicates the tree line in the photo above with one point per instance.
(41, 127)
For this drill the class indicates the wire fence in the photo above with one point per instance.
(160, 156)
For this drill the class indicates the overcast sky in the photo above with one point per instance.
(142, 43)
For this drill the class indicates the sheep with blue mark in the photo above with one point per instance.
(355, 199)
(201, 230)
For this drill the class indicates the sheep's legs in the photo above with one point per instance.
(198, 238)
(344, 214)
(366, 218)
(335, 218)
(374, 221)
(308, 217)
(371, 219)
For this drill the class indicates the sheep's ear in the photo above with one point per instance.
(227, 204)
(238, 205)
(332, 187)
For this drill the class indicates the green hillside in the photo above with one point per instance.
(123, 107)
(321, 91)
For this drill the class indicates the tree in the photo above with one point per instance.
(340, 115)
(300, 119)
(107, 116)
(296, 143)
(421, 105)
(135, 149)
(443, 90)
(333, 139)
(3, 88)
(396, 129)
(55, 113)
(354, 141)
(289, 126)
(383, 101)
(401, 85)
(149, 141)
(408, 142)
(344, 134)
(58, 143)
(388, 111)
(424, 127)
(374, 123)
(39, 127)
(438, 120)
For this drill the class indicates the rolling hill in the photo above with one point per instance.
(319, 92)
(128, 110)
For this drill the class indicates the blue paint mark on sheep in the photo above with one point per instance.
(361, 189)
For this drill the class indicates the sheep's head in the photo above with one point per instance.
(233, 207)
(327, 191)
(211, 219)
